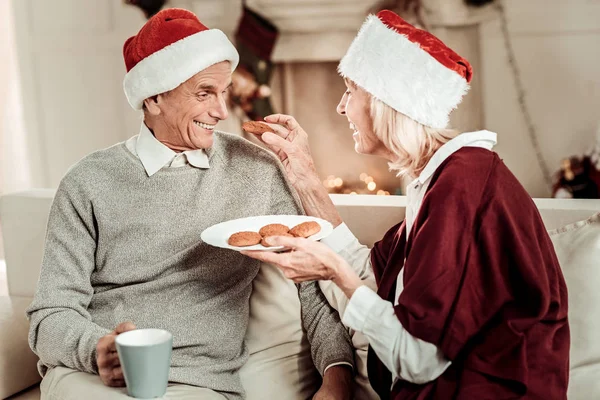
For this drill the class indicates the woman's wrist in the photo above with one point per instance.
(316, 201)
(309, 183)
(346, 279)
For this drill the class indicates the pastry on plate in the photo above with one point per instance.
(305, 229)
(244, 239)
(273, 230)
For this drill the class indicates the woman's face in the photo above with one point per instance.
(355, 105)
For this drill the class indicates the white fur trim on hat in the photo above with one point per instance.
(169, 67)
(403, 75)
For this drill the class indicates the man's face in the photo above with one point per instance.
(185, 117)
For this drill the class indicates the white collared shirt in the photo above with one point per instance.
(154, 155)
(407, 357)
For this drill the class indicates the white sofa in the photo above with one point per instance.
(23, 221)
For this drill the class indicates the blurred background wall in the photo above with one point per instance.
(536, 79)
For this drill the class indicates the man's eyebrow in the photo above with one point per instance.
(211, 87)
(206, 86)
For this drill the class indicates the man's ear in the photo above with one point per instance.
(151, 105)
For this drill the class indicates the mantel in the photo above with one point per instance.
(322, 30)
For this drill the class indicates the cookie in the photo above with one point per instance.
(305, 229)
(256, 127)
(243, 239)
(273, 230)
(264, 243)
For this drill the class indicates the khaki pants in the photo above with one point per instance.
(66, 384)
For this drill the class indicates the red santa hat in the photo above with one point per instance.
(407, 68)
(170, 48)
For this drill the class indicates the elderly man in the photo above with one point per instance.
(123, 241)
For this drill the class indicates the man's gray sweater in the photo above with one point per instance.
(122, 246)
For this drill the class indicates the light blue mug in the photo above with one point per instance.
(145, 356)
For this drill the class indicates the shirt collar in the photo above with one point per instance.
(197, 158)
(154, 155)
(485, 139)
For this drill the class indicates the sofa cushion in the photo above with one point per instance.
(18, 368)
(584, 382)
(23, 218)
(32, 393)
(280, 364)
(578, 249)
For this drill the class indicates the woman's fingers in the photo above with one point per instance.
(287, 120)
(281, 131)
(283, 148)
(265, 256)
(300, 266)
(282, 259)
(286, 241)
(276, 142)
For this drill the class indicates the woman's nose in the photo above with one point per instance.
(341, 107)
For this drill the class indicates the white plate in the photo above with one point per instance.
(217, 235)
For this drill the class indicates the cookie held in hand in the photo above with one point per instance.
(273, 230)
(305, 229)
(256, 127)
(244, 239)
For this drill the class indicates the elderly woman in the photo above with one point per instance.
(470, 302)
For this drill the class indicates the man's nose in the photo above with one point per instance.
(219, 109)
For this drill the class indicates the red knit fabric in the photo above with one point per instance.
(163, 29)
(432, 45)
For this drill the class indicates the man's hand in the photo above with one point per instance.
(109, 366)
(338, 384)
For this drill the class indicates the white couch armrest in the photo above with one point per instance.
(23, 219)
(18, 364)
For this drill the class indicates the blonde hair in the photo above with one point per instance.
(412, 143)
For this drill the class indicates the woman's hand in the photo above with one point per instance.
(309, 261)
(290, 143)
